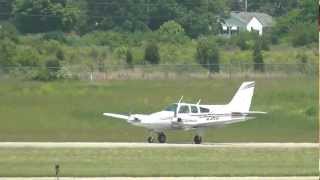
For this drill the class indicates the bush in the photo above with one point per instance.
(257, 56)
(129, 58)
(303, 34)
(152, 53)
(55, 35)
(208, 54)
(8, 31)
(7, 52)
(302, 60)
(172, 31)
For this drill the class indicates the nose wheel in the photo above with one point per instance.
(197, 139)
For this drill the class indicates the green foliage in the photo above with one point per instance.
(302, 59)
(208, 54)
(55, 35)
(244, 40)
(129, 58)
(8, 31)
(107, 38)
(8, 40)
(7, 52)
(171, 31)
(303, 33)
(257, 56)
(46, 15)
(272, 7)
(152, 53)
(27, 56)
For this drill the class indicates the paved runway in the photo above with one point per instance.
(153, 145)
(172, 178)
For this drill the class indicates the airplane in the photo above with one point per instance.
(186, 116)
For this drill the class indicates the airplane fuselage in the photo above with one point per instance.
(216, 116)
(185, 116)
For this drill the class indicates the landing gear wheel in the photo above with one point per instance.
(197, 139)
(150, 139)
(162, 138)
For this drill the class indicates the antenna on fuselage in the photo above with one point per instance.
(199, 102)
(180, 100)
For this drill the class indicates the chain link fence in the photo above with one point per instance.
(154, 72)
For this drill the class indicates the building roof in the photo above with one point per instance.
(241, 19)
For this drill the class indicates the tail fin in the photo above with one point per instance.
(241, 101)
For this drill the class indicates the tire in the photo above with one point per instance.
(197, 139)
(150, 139)
(162, 138)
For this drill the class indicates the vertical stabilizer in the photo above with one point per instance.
(241, 101)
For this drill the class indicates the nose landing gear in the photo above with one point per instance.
(161, 138)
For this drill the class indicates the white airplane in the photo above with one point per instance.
(185, 116)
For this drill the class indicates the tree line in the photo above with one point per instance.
(197, 17)
(134, 31)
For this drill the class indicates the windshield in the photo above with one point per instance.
(172, 107)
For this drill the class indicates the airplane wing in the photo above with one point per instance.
(119, 116)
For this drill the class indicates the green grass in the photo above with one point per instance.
(160, 162)
(72, 110)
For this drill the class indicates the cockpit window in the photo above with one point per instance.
(172, 107)
(184, 109)
(194, 109)
(204, 110)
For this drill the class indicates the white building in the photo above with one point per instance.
(246, 21)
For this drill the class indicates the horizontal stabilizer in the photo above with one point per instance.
(119, 116)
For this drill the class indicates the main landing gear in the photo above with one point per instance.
(161, 138)
(197, 139)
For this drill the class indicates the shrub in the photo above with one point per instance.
(303, 34)
(8, 31)
(257, 56)
(55, 35)
(129, 58)
(152, 53)
(208, 54)
(302, 60)
(171, 31)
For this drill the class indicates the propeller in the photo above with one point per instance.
(132, 117)
(175, 116)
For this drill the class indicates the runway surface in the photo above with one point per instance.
(171, 178)
(152, 145)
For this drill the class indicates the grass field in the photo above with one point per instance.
(72, 110)
(160, 162)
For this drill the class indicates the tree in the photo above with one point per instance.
(152, 53)
(303, 33)
(257, 56)
(8, 40)
(208, 54)
(129, 58)
(8, 31)
(47, 15)
(171, 31)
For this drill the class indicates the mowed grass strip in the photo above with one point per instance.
(159, 162)
(72, 110)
